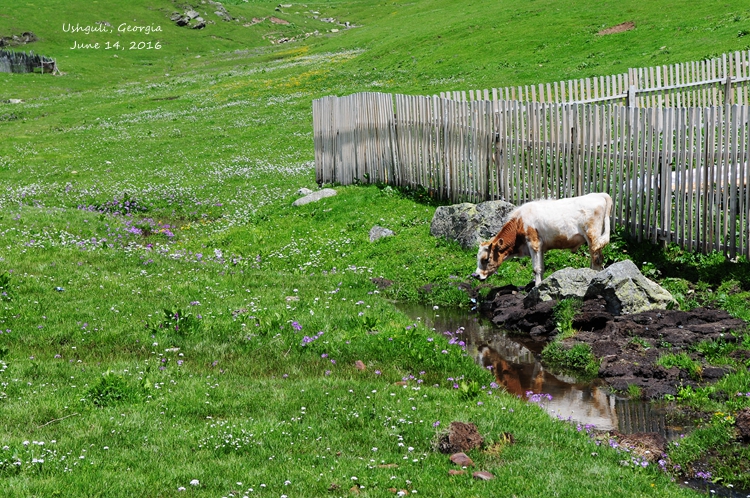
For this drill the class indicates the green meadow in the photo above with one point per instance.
(170, 324)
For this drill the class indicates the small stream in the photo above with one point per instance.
(515, 361)
(517, 367)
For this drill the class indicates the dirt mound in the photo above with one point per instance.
(627, 346)
(461, 437)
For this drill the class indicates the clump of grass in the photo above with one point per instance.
(640, 343)
(683, 362)
(178, 323)
(564, 312)
(635, 391)
(6, 292)
(112, 389)
(577, 359)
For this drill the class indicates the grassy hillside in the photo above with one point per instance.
(168, 316)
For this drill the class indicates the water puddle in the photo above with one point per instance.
(516, 364)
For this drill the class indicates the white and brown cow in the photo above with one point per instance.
(536, 227)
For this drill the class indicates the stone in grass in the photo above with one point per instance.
(378, 232)
(743, 423)
(360, 365)
(304, 191)
(483, 475)
(462, 459)
(454, 472)
(469, 224)
(627, 291)
(314, 197)
(460, 437)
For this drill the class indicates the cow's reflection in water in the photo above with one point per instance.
(507, 374)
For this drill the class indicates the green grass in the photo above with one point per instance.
(683, 362)
(166, 314)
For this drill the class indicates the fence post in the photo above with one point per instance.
(631, 96)
(728, 90)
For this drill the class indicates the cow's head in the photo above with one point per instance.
(492, 253)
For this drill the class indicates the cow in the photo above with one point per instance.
(536, 227)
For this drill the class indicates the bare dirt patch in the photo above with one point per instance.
(620, 28)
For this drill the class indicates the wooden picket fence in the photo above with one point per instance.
(674, 159)
(675, 174)
(711, 82)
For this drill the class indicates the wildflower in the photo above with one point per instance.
(195, 482)
(181, 488)
(296, 326)
(436, 424)
(377, 372)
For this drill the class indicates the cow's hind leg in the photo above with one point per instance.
(597, 259)
(596, 241)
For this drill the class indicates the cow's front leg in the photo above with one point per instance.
(537, 263)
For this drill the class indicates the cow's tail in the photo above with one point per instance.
(607, 216)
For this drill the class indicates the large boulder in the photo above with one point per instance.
(627, 291)
(563, 284)
(469, 224)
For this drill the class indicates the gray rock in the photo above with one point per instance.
(468, 223)
(563, 284)
(192, 14)
(314, 197)
(627, 291)
(304, 191)
(483, 475)
(378, 232)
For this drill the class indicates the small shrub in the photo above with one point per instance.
(469, 390)
(178, 322)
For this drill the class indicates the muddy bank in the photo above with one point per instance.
(627, 346)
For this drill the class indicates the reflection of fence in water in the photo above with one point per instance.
(637, 416)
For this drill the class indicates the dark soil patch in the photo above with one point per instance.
(627, 346)
(461, 437)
